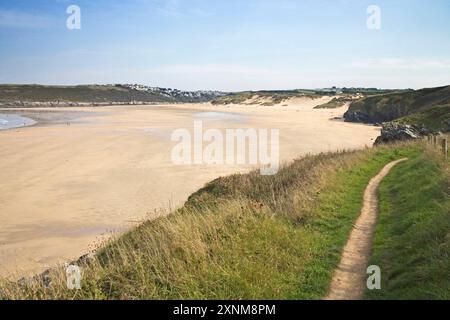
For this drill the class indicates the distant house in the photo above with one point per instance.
(329, 91)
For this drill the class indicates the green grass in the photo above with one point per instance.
(241, 237)
(436, 119)
(412, 243)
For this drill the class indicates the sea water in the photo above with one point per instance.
(9, 121)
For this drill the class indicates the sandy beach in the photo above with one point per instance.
(80, 174)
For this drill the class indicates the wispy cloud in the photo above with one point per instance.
(402, 64)
(169, 7)
(173, 8)
(20, 19)
(220, 77)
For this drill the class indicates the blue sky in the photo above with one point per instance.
(227, 44)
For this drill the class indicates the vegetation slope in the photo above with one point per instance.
(263, 98)
(426, 107)
(274, 97)
(97, 94)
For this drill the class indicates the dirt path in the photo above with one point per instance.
(349, 280)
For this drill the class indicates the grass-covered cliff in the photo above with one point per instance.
(426, 107)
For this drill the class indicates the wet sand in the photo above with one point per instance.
(82, 173)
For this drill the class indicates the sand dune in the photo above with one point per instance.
(82, 173)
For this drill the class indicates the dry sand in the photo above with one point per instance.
(83, 173)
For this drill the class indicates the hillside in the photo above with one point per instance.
(426, 107)
(264, 98)
(277, 97)
(219, 244)
(36, 95)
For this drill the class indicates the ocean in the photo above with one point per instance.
(9, 121)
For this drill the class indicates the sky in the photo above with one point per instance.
(229, 45)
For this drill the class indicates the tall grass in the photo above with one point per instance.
(241, 237)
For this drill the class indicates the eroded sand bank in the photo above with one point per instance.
(82, 173)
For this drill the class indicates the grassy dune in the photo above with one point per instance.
(241, 237)
(264, 98)
(412, 244)
(335, 103)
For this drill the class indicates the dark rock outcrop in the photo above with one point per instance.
(357, 116)
(392, 132)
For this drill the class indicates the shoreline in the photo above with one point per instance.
(15, 121)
